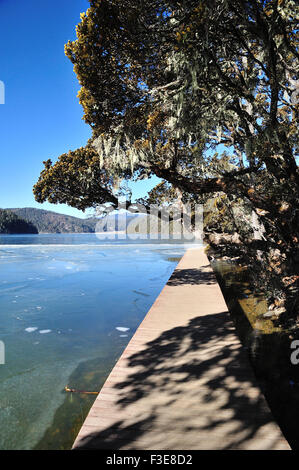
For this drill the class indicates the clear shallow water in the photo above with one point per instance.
(63, 299)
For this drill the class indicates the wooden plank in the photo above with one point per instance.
(183, 381)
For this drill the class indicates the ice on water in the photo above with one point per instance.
(122, 328)
(30, 329)
(57, 324)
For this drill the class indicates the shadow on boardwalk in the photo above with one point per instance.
(190, 388)
(192, 277)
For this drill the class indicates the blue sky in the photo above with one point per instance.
(41, 117)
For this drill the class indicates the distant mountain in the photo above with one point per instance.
(52, 222)
(11, 223)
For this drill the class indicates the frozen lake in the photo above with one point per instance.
(69, 304)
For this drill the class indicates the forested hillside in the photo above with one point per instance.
(51, 222)
(10, 223)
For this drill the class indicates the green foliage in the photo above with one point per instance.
(76, 179)
(162, 194)
(165, 87)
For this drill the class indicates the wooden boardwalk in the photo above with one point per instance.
(183, 382)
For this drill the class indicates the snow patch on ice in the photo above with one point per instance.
(31, 328)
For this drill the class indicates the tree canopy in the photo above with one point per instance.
(201, 93)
